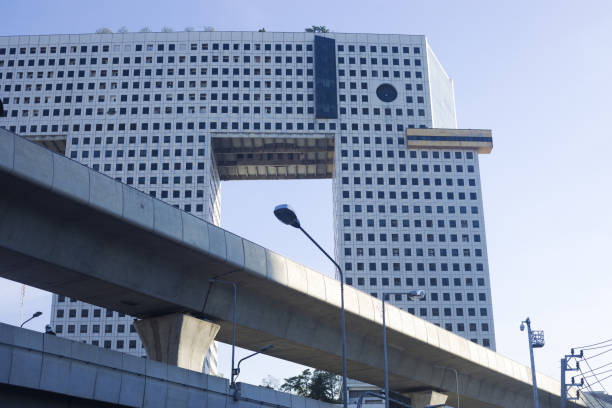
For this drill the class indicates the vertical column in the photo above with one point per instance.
(177, 339)
(424, 399)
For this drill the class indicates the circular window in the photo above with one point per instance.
(386, 93)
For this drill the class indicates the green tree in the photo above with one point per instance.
(270, 382)
(298, 384)
(325, 386)
(317, 384)
(317, 29)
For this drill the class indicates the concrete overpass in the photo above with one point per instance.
(68, 229)
(41, 370)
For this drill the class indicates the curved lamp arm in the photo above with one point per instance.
(236, 371)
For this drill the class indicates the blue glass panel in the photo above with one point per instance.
(326, 94)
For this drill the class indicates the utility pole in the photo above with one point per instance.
(565, 387)
(536, 340)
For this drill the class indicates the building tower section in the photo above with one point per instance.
(175, 114)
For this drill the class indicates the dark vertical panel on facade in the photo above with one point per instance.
(326, 94)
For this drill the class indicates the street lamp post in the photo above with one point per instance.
(536, 340)
(412, 295)
(34, 316)
(286, 215)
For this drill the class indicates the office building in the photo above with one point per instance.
(174, 114)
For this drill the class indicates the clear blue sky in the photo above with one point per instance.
(535, 72)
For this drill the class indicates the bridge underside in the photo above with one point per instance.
(55, 143)
(258, 157)
(68, 229)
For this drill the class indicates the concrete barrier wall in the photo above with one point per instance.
(45, 363)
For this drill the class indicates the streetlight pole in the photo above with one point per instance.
(385, 353)
(286, 215)
(412, 295)
(536, 339)
(34, 316)
(343, 324)
(212, 281)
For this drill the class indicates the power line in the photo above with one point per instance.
(588, 386)
(606, 377)
(603, 352)
(592, 401)
(602, 386)
(595, 344)
(592, 398)
(596, 374)
(596, 347)
(602, 366)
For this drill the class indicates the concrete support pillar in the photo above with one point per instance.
(424, 399)
(177, 339)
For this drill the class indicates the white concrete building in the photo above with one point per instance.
(174, 114)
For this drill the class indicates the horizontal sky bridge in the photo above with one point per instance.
(278, 148)
(277, 161)
(257, 158)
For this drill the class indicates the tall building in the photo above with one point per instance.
(174, 114)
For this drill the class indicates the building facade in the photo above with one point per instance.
(174, 114)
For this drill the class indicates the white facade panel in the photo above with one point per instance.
(143, 107)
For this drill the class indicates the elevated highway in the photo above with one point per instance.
(70, 230)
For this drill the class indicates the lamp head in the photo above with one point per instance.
(266, 348)
(36, 314)
(522, 326)
(286, 215)
(416, 294)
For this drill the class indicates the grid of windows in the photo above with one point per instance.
(91, 324)
(416, 223)
(143, 109)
